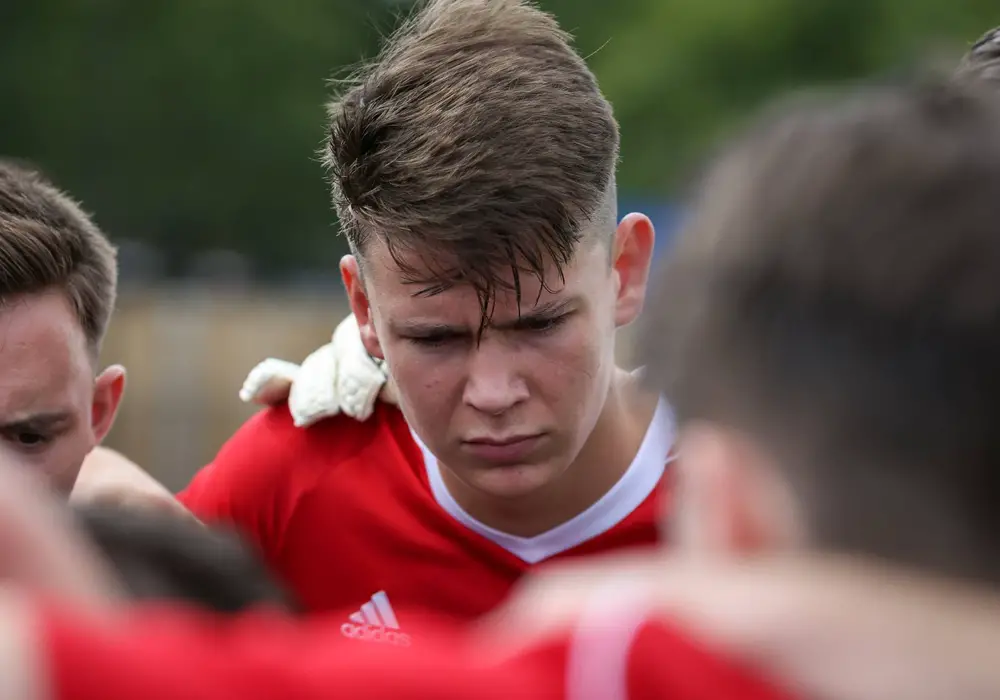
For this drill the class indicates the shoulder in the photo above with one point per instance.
(616, 641)
(271, 439)
(269, 455)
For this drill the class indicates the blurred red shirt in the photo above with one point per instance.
(166, 654)
(354, 517)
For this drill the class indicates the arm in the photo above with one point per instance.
(23, 669)
(108, 478)
(172, 654)
(237, 489)
(831, 627)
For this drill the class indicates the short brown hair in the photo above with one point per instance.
(47, 241)
(162, 557)
(836, 294)
(982, 60)
(478, 140)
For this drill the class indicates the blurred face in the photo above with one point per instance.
(508, 415)
(52, 409)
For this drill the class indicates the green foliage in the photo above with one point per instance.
(194, 124)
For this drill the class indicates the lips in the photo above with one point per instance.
(508, 450)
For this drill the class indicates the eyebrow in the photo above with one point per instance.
(542, 312)
(38, 422)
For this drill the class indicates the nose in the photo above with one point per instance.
(494, 383)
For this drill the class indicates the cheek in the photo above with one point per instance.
(426, 383)
(57, 466)
(571, 363)
(64, 457)
(574, 380)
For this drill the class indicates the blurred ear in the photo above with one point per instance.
(109, 387)
(357, 295)
(731, 500)
(631, 258)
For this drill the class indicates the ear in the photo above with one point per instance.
(632, 255)
(108, 390)
(730, 498)
(357, 296)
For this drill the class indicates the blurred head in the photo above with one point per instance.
(828, 328)
(982, 61)
(57, 291)
(161, 557)
(473, 174)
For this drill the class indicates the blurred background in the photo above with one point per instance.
(190, 129)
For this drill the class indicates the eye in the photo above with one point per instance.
(30, 439)
(434, 341)
(544, 325)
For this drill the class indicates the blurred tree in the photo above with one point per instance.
(190, 125)
(193, 125)
(680, 73)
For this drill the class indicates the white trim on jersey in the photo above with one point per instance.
(599, 650)
(636, 484)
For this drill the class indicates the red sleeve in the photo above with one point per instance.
(168, 653)
(665, 662)
(269, 467)
(617, 651)
(241, 486)
(164, 655)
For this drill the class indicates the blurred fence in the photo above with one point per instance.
(188, 349)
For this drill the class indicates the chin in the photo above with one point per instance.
(514, 481)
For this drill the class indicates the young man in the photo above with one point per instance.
(473, 169)
(828, 326)
(57, 287)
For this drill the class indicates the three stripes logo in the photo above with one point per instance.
(375, 622)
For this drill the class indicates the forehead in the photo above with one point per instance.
(44, 360)
(394, 290)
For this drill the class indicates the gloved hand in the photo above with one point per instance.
(338, 377)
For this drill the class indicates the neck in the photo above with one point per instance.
(603, 460)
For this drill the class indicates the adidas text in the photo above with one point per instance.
(372, 633)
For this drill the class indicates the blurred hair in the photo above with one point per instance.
(161, 557)
(982, 60)
(479, 141)
(47, 241)
(836, 293)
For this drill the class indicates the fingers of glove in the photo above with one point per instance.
(359, 376)
(314, 393)
(269, 382)
(358, 386)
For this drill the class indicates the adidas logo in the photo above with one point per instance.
(375, 622)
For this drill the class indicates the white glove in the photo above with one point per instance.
(338, 377)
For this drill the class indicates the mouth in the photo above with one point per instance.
(508, 450)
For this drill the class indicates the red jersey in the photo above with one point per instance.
(164, 655)
(353, 515)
